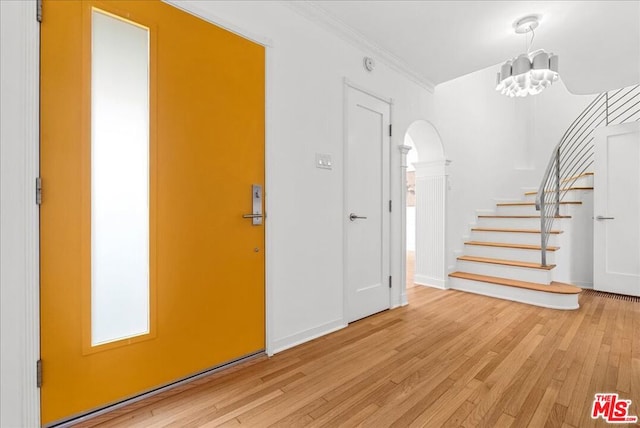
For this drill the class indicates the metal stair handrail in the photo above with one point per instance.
(573, 155)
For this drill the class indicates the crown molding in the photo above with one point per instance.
(350, 35)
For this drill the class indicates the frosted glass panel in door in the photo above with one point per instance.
(119, 179)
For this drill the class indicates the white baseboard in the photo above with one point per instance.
(280, 345)
(430, 282)
(582, 284)
(396, 302)
(403, 300)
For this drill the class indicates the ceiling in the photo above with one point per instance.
(598, 42)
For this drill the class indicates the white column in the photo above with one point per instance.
(403, 223)
(431, 198)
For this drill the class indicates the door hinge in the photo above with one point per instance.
(39, 373)
(390, 130)
(38, 190)
(390, 205)
(389, 281)
(39, 10)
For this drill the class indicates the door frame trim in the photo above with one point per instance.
(20, 223)
(20, 214)
(348, 84)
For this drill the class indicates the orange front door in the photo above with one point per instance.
(203, 131)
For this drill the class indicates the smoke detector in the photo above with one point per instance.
(368, 63)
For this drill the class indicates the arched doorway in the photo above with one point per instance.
(426, 205)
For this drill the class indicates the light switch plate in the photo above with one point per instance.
(324, 161)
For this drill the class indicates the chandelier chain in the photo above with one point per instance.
(533, 36)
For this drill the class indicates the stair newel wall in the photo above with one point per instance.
(431, 201)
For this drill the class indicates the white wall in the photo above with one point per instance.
(497, 144)
(482, 136)
(553, 111)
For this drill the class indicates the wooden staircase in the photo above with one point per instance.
(502, 257)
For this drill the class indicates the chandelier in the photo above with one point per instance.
(528, 73)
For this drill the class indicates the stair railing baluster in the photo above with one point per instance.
(543, 244)
(557, 202)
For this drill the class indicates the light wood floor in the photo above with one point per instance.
(448, 359)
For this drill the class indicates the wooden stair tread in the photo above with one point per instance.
(508, 245)
(498, 229)
(505, 262)
(575, 177)
(522, 203)
(535, 192)
(520, 216)
(554, 287)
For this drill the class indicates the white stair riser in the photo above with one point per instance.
(516, 210)
(517, 254)
(511, 237)
(586, 181)
(526, 210)
(516, 223)
(532, 297)
(542, 276)
(572, 195)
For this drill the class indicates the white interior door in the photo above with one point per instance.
(367, 204)
(617, 210)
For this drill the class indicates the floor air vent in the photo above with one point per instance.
(596, 293)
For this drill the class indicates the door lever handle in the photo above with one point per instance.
(256, 215)
(353, 217)
(604, 218)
